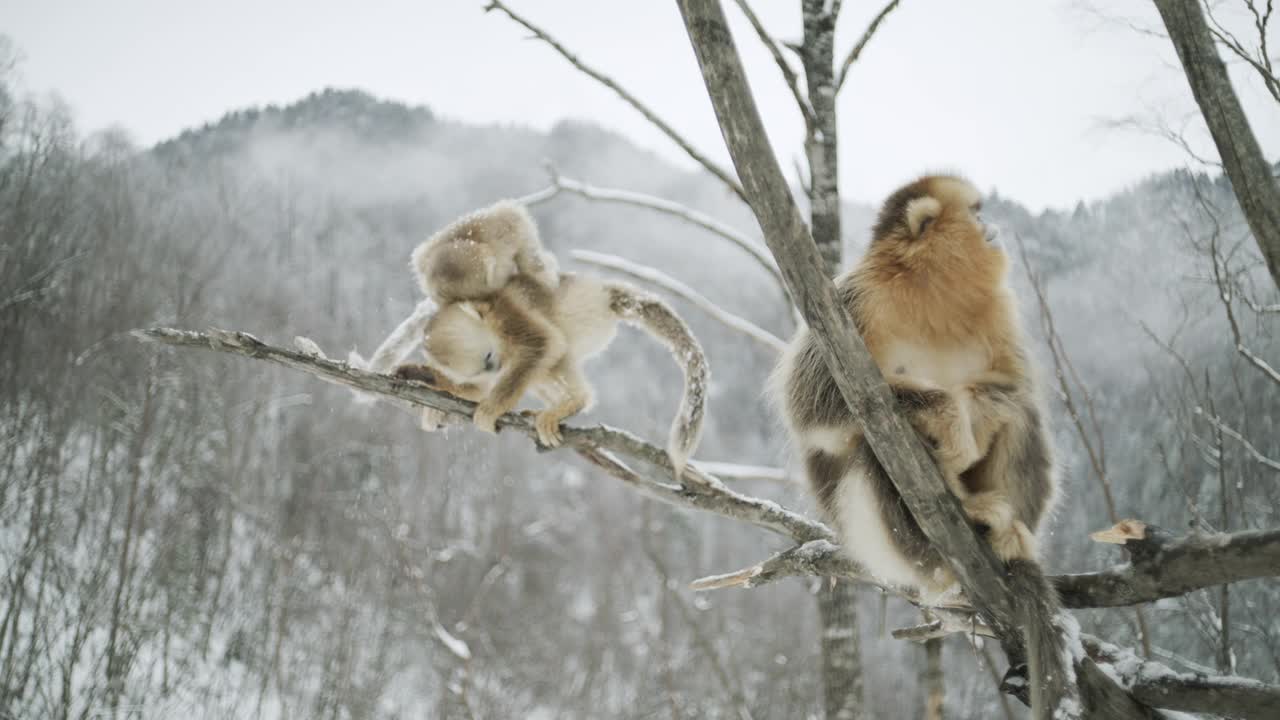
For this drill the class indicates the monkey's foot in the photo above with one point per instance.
(432, 419)
(486, 417)
(548, 427)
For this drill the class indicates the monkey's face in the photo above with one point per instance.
(462, 346)
(935, 225)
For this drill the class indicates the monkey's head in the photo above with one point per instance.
(933, 229)
(462, 345)
(474, 256)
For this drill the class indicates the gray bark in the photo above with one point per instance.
(841, 655)
(1252, 178)
(837, 608)
(859, 381)
(1164, 566)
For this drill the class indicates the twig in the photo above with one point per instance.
(670, 284)
(1230, 432)
(861, 45)
(788, 73)
(630, 99)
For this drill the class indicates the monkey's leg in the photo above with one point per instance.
(575, 395)
(533, 345)
(944, 421)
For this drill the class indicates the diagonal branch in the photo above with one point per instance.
(1234, 434)
(711, 167)
(788, 73)
(675, 287)
(601, 445)
(861, 45)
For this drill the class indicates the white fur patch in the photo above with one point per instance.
(866, 538)
(830, 440)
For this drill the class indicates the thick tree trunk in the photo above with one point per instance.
(821, 146)
(841, 661)
(837, 602)
(1252, 178)
(932, 680)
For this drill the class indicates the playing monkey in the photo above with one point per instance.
(475, 255)
(531, 337)
(930, 299)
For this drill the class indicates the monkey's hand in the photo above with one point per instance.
(1010, 538)
(421, 373)
(943, 419)
(487, 414)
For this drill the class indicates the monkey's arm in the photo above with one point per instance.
(995, 400)
(428, 375)
(943, 419)
(532, 345)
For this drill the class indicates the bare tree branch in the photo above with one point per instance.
(711, 167)
(1252, 178)
(1261, 64)
(861, 45)
(788, 73)
(675, 287)
(1166, 566)
(758, 252)
(598, 444)
(1232, 433)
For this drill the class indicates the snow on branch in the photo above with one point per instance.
(1159, 686)
(724, 175)
(754, 248)
(660, 279)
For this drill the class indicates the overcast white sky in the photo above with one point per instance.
(1014, 93)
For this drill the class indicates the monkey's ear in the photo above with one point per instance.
(920, 213)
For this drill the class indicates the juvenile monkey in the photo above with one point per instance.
(532, 337)
(475, 255)
(931, 302)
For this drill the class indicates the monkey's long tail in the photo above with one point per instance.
(652, 314)
(1050, 667)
